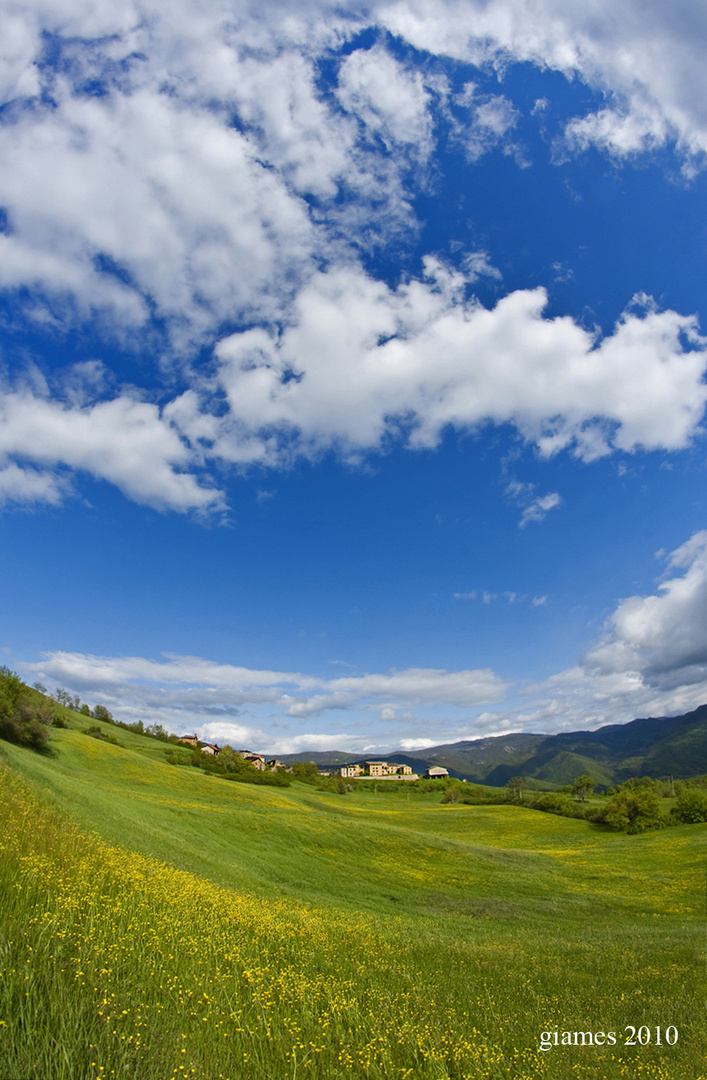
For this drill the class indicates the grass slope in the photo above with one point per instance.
(160, 922)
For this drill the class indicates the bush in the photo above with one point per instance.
(306, 771)
(553, 802)
(633, 809)
(231, 766)
(691, 806)
(23, 720)
(97, 733)
(101, 713)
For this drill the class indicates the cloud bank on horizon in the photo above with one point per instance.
(653, 657)
(236, 239)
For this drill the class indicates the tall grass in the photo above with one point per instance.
(114, 963)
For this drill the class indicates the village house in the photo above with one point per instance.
(256, 760)
(211, 749)
(189, 740)
(436, 773)
(379, 770)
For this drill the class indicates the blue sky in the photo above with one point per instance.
(352, 369)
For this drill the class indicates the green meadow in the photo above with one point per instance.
(160, 922)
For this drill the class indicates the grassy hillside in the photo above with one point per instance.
(158, 922)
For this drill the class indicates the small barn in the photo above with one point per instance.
(436, 773)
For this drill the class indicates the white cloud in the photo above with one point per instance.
(371, 360)
(426, 686)
(416, 744)
(173, 197)
(390, 100)
(647, 58)
(652, 661)
(491, 118)
(662, 637)
(31, 486)
(539, 507)
(621, 134)
(535, 507)
(179, 691)
(508, 595)
(124, 441)
(213, 178)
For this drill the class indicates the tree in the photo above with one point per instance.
(554, 802)
(306, 771)
(633, 810)
(583, 786)
(229, 760)
(66, 699)
(515, 787)
(691, 806)
(22, 721)
(101, 713)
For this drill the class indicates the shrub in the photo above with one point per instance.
(101, 713)
(691, 806)
(23, 720)
(231, 766)
(633, 809)
(97, 733)
(553, 802)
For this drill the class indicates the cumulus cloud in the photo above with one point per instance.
(651, 661)
(646, 58)
(180, 691)
(371, 361)
(124, 441)
(203, 177)
(151, 202)
(361, 363)
(391, 101)
(31, 486)
(662, 637)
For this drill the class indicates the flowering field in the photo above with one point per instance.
(450, 939)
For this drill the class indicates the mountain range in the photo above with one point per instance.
(660, 747)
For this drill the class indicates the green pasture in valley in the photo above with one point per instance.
(159, 922)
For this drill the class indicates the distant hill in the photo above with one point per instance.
(657, 746)
(323, 759)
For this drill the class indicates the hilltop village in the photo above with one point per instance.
(365, 770)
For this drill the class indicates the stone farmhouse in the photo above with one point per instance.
(256, 760)
(436, 772)
(379, 770)
(261, 763)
